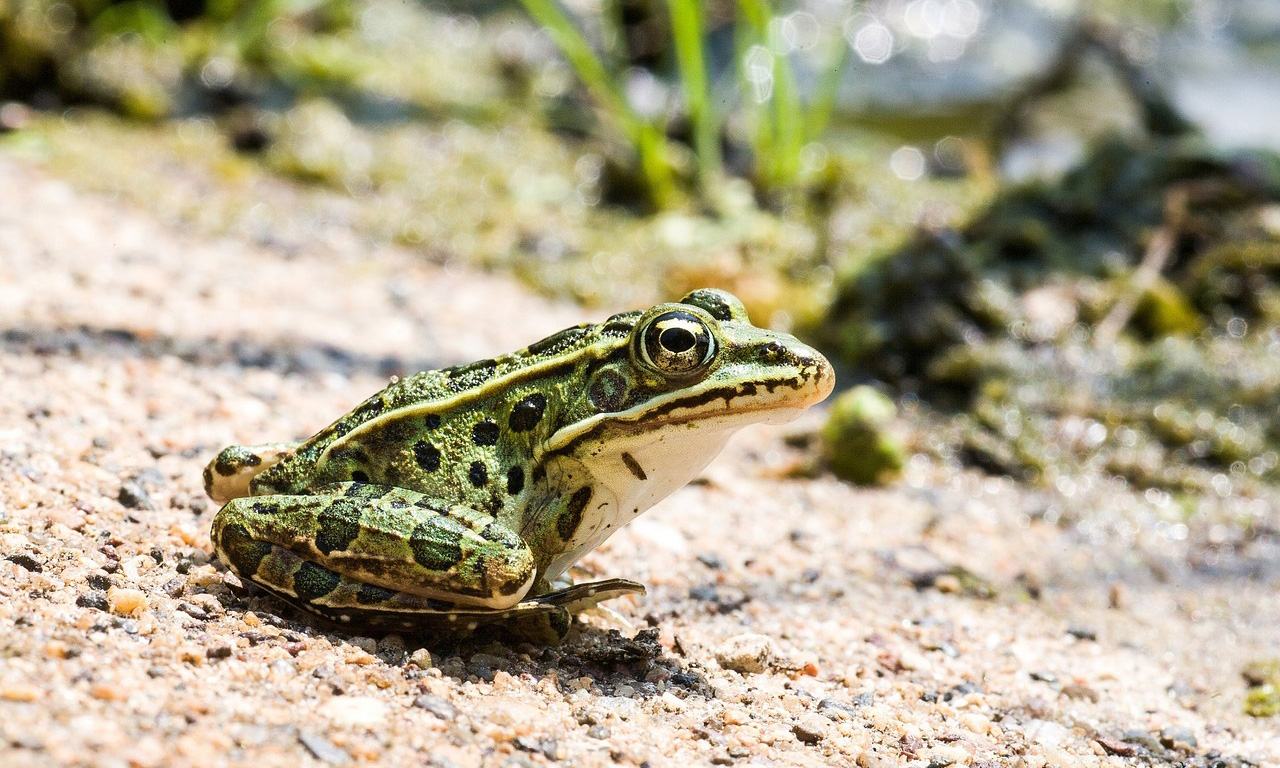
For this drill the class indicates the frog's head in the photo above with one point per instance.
(697, 365)
(660, 406)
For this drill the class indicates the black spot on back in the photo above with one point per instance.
(478, 473)
(369, 594)
(437, 543)
(526, 413)
(515, 480)
(349, 453)
(244, 552)
(557, 342)
(571, 518)
(311, 581)
(432, 421)
(265, 507)
(427, 455)
(618, 326)
(359, 476)
(484, 432)
(465, 377)
(339, 525)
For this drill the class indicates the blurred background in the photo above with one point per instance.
(1040, 238)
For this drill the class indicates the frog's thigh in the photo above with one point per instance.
(386, 541)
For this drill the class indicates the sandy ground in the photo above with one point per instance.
(788, 622)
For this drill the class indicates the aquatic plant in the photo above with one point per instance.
(778, 120)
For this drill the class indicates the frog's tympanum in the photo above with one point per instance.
(458, 498)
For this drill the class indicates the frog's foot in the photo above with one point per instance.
(227, 476)
(582, 597)
(375, 555)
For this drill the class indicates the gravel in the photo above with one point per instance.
(130, 353)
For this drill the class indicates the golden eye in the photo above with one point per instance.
(677, 344)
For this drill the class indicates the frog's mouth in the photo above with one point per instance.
(725, 407)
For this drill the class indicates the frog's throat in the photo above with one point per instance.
(633, 469)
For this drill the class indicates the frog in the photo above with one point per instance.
(458, 499)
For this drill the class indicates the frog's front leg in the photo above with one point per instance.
(356, 551)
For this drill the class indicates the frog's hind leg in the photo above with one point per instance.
(227, 476)
(355, 552)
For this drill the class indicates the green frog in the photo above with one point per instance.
(458, 498)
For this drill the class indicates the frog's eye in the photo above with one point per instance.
(676, 344)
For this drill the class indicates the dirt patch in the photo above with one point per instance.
(130, 353)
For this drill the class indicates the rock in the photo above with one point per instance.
(134, 496)
(836, 709)
(859, 440)
(810, 728)
(1179, 738)
(322, 749)
(1142, 739)
(746, 653)
(422, 658)
(354, 711)
(1117, 747)
(126, 602)
(436, 705)
(26, 561)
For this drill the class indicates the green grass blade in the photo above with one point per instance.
(648, 142)
(824, 98)
(688, 23)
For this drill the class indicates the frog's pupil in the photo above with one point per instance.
(677, 340)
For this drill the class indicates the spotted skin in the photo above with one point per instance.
(457, 499)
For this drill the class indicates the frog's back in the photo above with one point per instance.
(466, 433)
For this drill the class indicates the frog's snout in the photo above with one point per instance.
(815, 370)
(805, 371)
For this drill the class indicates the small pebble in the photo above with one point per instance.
(810, 728)
(746, 653)
(26, 561)
(354, 711)
(436, 705)
(1082, 633)
(95, 600)
(134, 496)
(126, 601)
(19, 692)
(1179, 738)
(322, 749)
(836, 709)
(1078, 691)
